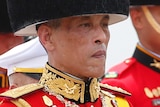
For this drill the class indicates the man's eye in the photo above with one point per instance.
(105, 25)
(85, 25)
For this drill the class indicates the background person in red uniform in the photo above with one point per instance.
(140, 75)
(75, 35)
(7, 40)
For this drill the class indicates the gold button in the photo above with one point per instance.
(127, 61)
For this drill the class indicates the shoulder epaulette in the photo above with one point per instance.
(20, 91)
(118, 69)
(114, 90)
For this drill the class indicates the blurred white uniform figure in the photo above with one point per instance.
(24, 63)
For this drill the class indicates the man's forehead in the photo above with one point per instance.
(86, 17)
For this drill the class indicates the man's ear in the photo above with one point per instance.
(136, 17)
(45, 36)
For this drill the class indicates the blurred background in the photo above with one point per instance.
(123, 40)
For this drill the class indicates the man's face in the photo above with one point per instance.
(80, 45)
(155, 11)
(151, 38)
(147, 35)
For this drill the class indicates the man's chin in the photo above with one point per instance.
(97, 75)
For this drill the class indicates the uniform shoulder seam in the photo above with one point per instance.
(123, 66)
(20, 91)
(118, 69)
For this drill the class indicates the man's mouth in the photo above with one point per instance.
(99, 54)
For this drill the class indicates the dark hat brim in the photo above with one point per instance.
(144, 2)
(31, 29)
(24, 14)
(5, 26)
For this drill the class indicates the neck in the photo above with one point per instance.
(69, 74)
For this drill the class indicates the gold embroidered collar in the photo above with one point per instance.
(69, 87)
(147, 58)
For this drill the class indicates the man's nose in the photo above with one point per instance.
(101, 36)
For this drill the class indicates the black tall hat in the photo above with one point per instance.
(145, 2)
(4, 19)
(25, 14)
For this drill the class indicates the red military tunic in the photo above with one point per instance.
(56, 89)
(36, 99)
(140, 76)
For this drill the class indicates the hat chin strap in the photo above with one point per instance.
(151, 19)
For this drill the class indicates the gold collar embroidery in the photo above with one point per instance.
(155, 64)
(69, 87)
